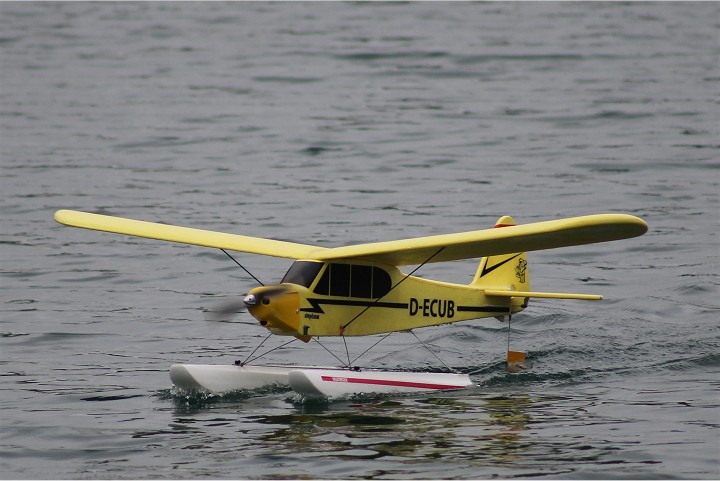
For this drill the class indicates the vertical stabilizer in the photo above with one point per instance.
(506, 271)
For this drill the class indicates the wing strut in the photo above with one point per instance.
(342, 328)
(242, 267)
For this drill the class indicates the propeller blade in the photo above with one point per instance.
(226, 310)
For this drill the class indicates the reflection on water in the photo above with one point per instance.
(487, 430)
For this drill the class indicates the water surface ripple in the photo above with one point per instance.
(341, 123)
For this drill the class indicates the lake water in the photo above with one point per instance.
(334, 124)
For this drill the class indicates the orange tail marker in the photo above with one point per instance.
(515, 357)
(515, 361)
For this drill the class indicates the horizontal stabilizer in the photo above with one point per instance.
(546, 295)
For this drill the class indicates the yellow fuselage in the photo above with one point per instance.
(361, 298)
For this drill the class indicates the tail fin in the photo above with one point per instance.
(507, 276)
(507, 272)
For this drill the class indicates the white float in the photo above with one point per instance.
(311, 380)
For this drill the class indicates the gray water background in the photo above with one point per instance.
(336, 124)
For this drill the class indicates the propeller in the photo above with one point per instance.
(226, 310)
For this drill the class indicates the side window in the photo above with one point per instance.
(381, 282)
(361, 281)
(354, 281)
(340, 280)
(323, 285)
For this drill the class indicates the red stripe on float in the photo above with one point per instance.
(387, 382)
(504, 225)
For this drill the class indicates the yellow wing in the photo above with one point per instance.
(186, 235)
(466, 245)
(489, 242)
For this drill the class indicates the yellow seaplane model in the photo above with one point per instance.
(359, 290)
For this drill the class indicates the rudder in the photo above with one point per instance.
(506, 271)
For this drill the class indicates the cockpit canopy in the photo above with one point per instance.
(339, 279)
(302, 273)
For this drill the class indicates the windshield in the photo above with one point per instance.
(302, 273)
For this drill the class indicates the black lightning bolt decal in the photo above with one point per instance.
(488, 270)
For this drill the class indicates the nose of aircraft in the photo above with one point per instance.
(277, 308)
